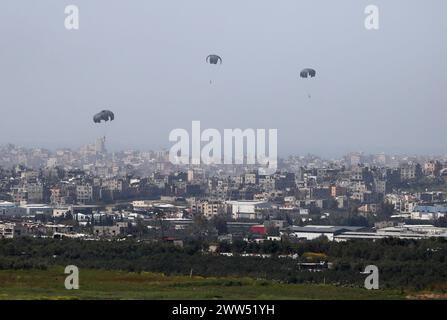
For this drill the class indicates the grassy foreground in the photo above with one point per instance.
(100, 284)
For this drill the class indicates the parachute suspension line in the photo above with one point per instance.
(211, 74)
(104, 132)
(308, 94)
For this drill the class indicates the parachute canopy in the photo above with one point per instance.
(213, 59)
(105, 115)
(308, 72)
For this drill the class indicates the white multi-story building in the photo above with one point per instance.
(248, 209)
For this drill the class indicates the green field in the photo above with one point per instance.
(98, 284)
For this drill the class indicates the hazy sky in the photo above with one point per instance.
(375, 91)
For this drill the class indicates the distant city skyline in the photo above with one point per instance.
(102, 144)
(376, 91)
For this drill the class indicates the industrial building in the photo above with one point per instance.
(344, 233)
(311, 232)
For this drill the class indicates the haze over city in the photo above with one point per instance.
(375, 91)
(231, 154)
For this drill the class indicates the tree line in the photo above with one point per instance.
(418, 264)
